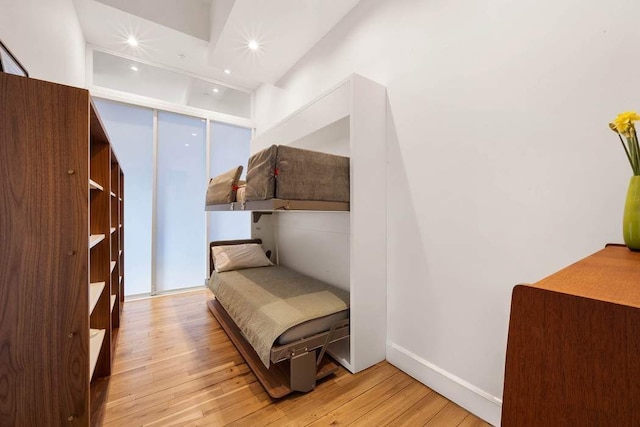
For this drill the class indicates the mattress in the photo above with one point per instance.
(276, 304)
(291, 173)
(311, 327)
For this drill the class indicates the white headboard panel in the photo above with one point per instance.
(315, 244)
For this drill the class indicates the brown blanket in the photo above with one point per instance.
(265, 302)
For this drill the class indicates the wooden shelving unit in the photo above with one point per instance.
(60, 163)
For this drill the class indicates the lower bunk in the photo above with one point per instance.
(281, 321)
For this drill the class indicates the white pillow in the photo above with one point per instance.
(235, 257)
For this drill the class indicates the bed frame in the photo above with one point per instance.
(295, 366)
(280, 205)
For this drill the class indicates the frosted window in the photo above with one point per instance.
(229, 148)
(130, 130)
(181, 256)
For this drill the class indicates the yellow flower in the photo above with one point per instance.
(623, 123)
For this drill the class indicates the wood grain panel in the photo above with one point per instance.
(571, 359)
(100, 255)
(174, 365)
(44, 330)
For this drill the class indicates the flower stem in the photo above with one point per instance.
(627, 153)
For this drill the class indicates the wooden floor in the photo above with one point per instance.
(174, 365)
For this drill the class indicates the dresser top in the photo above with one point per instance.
(611, 275)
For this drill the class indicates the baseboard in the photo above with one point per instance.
(470, 397)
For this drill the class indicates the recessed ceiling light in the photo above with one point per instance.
(227, 71)
(186, 145)
(253, 45)
(132, 41)
(194, 134)
(134, 68)
(216, 90)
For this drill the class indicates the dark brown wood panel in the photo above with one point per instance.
(572, 355)
(121, 240)
(44, 330)
(100, 255)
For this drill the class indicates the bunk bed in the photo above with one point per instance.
(281, 321)
(284, 178)
(348, 120)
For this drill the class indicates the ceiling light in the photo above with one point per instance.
(194, 134)
(253, 45)
(132, 41)
(216, 90)
(134, 68)
(227, 71)
(186, 145)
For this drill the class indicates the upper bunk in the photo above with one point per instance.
(312, 153)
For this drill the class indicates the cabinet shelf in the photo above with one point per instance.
(95, 290)
(94, 239)
(113, 230)
(95, 186)
(113, 265)
(113, 302)
(96, 337)
(113, 194)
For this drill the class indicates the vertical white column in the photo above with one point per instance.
(154, 215)
(207, 216)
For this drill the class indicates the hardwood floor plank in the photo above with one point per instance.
(450, 415)
(364, 403)
(175, 366)
(473, 421)
(420, 413)
(391, 408)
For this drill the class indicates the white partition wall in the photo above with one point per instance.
(180, 188)
(130, 129)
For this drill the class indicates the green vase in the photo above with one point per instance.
(631, 220)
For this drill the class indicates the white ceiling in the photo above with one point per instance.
(204, 37)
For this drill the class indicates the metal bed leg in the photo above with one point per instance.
(303, 371)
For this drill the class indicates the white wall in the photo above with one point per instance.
(501, 168)
(46, 37)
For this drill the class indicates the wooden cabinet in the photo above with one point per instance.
(573, 353)
(61, 191)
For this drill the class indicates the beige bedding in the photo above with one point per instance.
(267, 301)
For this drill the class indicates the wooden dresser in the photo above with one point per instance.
(573, 353)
